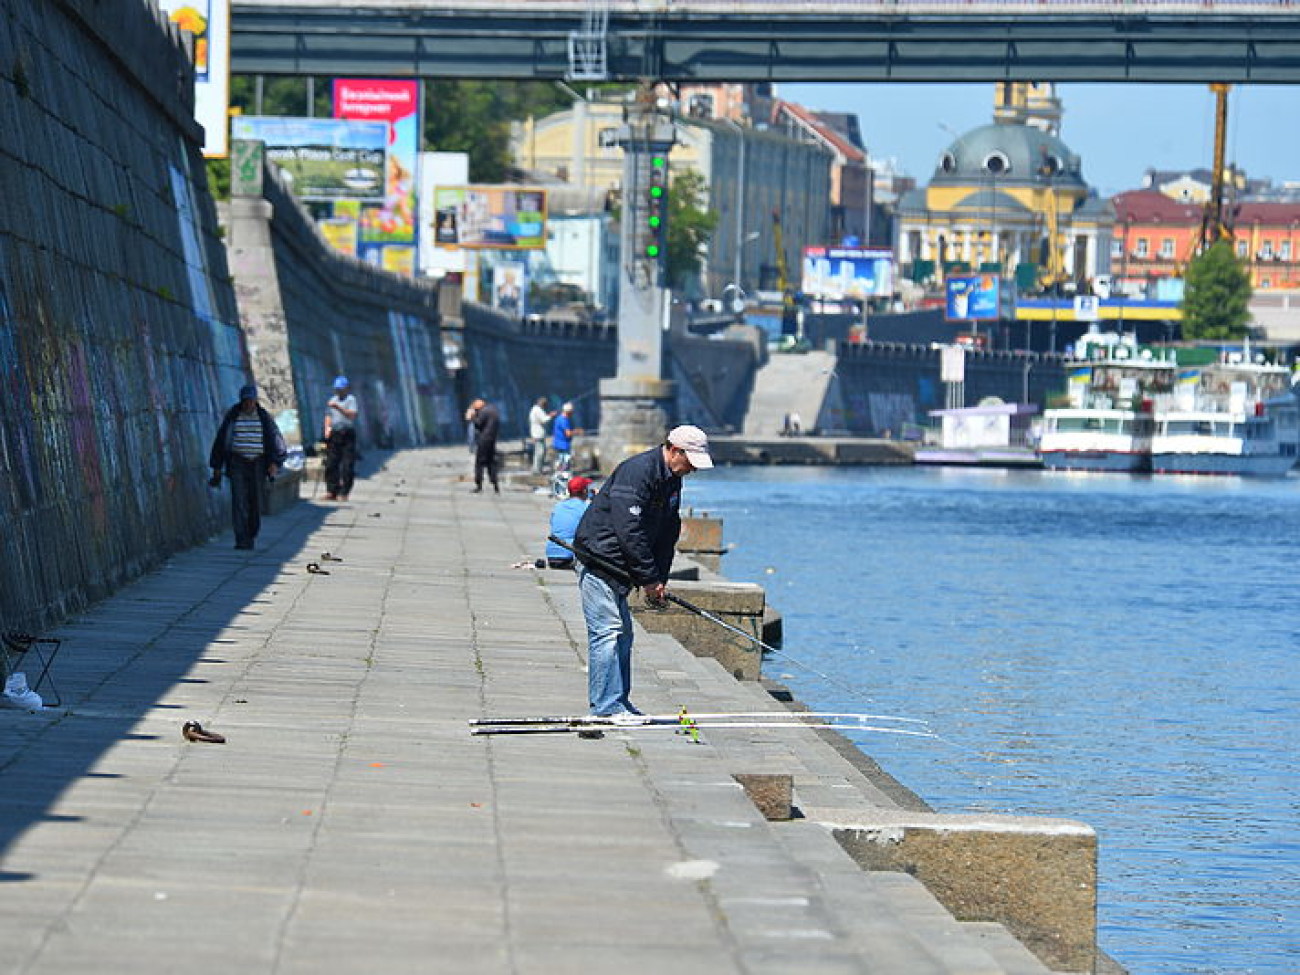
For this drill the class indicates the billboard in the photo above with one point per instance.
(324, 159)
(510, 288)
(489, 217)
(836, 273)
(438, 169)
(973, 297)
(387, 236)
(209, 22)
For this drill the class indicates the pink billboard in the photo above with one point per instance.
(386, 235)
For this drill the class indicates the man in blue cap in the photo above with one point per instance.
(250, 449)
(340, 441)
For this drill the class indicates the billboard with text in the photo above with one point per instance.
(325, 159)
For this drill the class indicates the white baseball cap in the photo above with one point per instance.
(695, 442)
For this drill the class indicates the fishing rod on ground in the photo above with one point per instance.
(622, 576)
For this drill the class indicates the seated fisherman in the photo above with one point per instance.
(564, 523)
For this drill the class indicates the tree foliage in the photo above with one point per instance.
(1216, 295)
(690, 227)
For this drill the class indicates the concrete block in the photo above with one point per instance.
(282, 492)
(701, 540)
(740, 604)
(773, 795)
(1037, 877)
(700, 532)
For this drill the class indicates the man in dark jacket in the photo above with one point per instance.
(249, 448)
(487, 425)
(626, 541)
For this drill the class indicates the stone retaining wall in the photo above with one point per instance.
(119, 338)
(883, 385)
(512, 362)
(311, 314)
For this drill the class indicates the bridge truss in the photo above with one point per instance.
(1242, 41)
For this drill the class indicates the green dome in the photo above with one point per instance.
(1009, 154)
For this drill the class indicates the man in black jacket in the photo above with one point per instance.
(487, 426)
(626, 541)
(250, 449)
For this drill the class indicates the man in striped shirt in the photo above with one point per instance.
(250, 449)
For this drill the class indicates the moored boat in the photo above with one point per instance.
(1262, 440)
(1097, 439)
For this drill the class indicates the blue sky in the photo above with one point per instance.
(1120, 131)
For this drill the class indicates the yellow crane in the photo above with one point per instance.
(788, 312)
(1215, 223)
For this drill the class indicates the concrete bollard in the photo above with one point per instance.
(282, 492)
(739, 603)
(701, 540)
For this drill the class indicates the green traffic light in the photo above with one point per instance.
(658, 162)
(656, 191)
(654, 222)
(652, 250)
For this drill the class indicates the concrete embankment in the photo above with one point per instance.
(829, 451)
(351, 824)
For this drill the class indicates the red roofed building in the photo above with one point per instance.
(1156, 236)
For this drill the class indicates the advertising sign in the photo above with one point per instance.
(209, 22)
(490, 217)
(388, 224)
(973, 297)
(836, 273)
(325, 159)
(1087, 308)
(509, 286)
(438, 169)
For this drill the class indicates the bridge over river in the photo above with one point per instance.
(757, 40)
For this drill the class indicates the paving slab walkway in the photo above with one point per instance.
(351, 824)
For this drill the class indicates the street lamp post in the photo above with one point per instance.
(738, 302)
(740, 201)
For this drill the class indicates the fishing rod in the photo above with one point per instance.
(619, 574)
(793, 717)
(688, 725)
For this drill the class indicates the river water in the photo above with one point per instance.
(1123, 651)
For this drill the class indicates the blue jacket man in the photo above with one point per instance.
(565, 517)
(562, 431)
(625, 541)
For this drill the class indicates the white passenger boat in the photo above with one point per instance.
(1097, 439)
(1262, 440)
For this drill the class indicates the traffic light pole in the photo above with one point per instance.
(636, 405)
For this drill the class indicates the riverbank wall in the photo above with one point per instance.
(119, 334)
(311, 314)
(512, 361)
(887, 387)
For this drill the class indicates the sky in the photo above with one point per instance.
(1120, 131)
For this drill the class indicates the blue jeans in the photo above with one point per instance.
(609, 644)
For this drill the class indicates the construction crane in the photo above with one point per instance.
(789, 314)
(782, 269)
(1215, 223)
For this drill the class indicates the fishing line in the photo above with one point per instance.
(691, 607)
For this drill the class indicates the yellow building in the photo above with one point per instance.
(1009, 196)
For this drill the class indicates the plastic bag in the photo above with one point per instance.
(19, 695)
